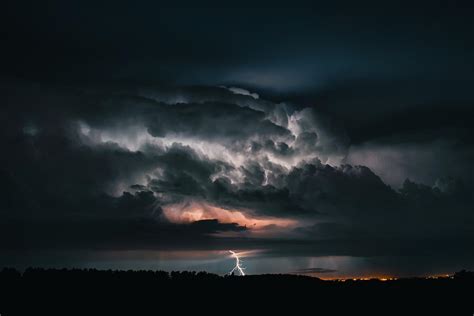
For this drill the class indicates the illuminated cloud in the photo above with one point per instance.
(196, 211)
(205, 168)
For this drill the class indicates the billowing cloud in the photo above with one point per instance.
(210, 167)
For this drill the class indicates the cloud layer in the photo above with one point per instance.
(213, 167)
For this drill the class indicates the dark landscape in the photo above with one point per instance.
(92, 291)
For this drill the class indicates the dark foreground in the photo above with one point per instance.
(93, 292)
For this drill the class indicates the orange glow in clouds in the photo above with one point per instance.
(197, 211)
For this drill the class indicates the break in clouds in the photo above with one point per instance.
(218, 168)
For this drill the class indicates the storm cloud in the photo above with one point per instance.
(142, 171)
(320, 129)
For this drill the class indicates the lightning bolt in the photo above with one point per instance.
(238, 262)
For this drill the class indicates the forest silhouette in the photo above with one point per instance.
(91, 291)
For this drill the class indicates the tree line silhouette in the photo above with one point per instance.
(103, 291)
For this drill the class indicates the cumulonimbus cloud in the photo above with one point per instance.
(208, 162)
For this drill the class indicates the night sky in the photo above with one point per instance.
(328, 138)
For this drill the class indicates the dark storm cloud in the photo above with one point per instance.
(77, 168)
(58, 175)
(378, 95)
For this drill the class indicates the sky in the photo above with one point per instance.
(328, 139)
